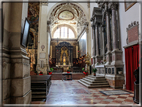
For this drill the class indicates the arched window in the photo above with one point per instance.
(64, 32)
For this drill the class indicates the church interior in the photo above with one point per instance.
(71, 53)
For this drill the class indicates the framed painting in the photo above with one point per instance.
(128, 5)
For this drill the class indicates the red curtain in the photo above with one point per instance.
(131, 63)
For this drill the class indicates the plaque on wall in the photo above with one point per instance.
(42, 55)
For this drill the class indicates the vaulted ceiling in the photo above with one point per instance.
(67, 14)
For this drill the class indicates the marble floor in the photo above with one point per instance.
(72, 93)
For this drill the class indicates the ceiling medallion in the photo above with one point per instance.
(66, 15)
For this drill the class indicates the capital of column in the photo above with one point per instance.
(114, 6)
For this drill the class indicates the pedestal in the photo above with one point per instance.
(108, 58)
(136, 93)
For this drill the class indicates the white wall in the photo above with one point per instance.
(126, 18)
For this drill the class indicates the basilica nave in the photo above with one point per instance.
(68, 53)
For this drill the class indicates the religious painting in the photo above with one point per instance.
(66, 15)
(128, 5)
(33, 15)
(82, 45)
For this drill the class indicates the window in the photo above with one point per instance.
(63, 32)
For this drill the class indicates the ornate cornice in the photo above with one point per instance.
(135, 23)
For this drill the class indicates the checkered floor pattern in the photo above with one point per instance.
(74, 93)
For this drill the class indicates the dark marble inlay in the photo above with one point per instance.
(112, 70)
(109, 70)
(106, 70)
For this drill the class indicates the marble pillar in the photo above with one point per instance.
(116, 53)
(94, 44)
(97, 36)
(108, 54)
(103, 43)
(97, 57)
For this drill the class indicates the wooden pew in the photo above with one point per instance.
(40, 85)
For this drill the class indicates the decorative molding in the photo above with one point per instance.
(133, 28)
(128, 5)
(44, 3)
(79, 16)
(133, 24)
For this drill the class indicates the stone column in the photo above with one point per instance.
(97, 57)
(94, 44)
(108, 54)
(114, 27)
(103, 43)
(97, 36)
(16, 79)
(116, 53)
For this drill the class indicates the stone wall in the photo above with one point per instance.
(16, 68)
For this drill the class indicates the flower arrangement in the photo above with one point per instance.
(41, 73)
(84, 71)
(50, 72)
(95, 70)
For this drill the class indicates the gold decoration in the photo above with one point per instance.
(87, 59)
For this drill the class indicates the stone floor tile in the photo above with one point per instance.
(72, 92)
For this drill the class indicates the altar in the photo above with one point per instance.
(65, 67)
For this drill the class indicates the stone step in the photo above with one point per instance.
(91, 81)
(95, 79)
(99, 84)
(91, 78)
(83, 83)
(87, 79)
(93, 86)
(99, 81)
(87, 82)
(95, 83)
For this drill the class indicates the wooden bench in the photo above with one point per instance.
(40, 85)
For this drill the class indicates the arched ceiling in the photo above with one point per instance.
(67, 13)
